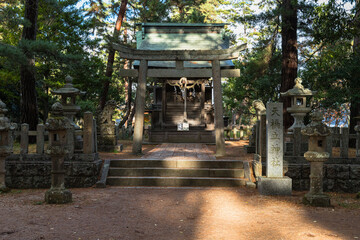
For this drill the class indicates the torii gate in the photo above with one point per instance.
(213, 56)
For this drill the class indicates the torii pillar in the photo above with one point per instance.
(140, 108)
(218, 105)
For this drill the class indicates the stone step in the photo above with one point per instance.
(177, 172)
(175, 181)
(156, 163)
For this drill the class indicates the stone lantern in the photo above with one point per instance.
(68, 95)
(58, 125)
(316, 155)
(298, 107)
(5, 143)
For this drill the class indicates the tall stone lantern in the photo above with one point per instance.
(316, 155)
(5, 143)
(68, 95)
(298, 107)
(58, 125)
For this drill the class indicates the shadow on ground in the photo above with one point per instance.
(172, 213)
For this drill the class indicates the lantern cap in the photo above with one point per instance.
(316, 128)
(298, 90)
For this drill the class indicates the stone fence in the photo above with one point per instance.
(341, 170)
(296, 144)
(126, 133)
(85, 135)
(235, 133)
(33, 170)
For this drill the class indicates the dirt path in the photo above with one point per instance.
(168, 213)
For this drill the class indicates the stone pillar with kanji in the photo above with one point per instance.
(316, 155)
(5, 143)
(58, 127)
(275, 183)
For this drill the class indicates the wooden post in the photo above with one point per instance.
(163, 103)
(88, 145)
(219, 121)
(140, 108)
(24, 141)
(202, 103)
(344, 142)
(40, 131)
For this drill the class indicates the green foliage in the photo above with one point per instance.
(260, 79)
(75, 40)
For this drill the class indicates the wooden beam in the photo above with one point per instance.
(176, 73)
(178, 55)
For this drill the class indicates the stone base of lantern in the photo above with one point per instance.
(58, 196)
(275, 186)
(317, 200)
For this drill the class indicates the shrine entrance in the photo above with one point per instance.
(186, 115)
(187, 98)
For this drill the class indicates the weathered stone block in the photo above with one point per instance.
(58, 196)
(275, 186)
(305, 171)
(342, 172)
(330, 171)
(355, 172)
(328, 184)
(317, 200)
(30, 174)
(294, 172)
(296, 185)
(305, 184)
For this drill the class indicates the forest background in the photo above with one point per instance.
(43, 41)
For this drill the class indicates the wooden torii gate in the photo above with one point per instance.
(179, 56)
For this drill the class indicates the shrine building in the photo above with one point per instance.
(186, 63)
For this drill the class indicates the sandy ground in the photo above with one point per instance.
(176, 213)
(173, 213)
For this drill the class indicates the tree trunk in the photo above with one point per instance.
(355, 102)
(128, 104)
(289, 53)
(128, 85)
(132, 114)
(111, 56)
(28, 101)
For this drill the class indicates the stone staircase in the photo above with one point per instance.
(176, 173)
(175, 113)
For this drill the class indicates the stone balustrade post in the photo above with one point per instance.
(40, 139)
(344, 142)
(88, 133)
(58, 126)
(24, 139)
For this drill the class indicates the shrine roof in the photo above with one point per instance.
(180, 36)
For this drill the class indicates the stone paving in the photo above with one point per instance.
(177, 151)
